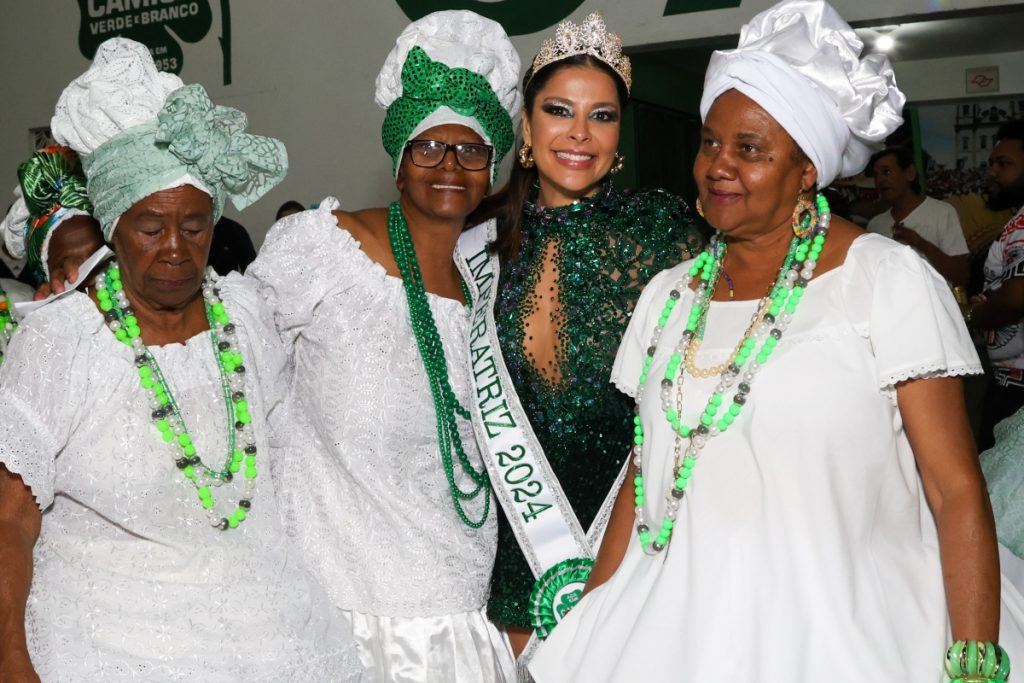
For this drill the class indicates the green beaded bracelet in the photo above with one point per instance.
(974, 661)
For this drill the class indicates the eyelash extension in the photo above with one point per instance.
(557, 109)
(611, 116)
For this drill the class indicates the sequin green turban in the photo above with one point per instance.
(190, 137)
(453, 66)
(428, 85)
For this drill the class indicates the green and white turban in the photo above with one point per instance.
(140, 131)
(51, 190)
(456, 67)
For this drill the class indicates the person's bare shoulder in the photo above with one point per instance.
(370, 228)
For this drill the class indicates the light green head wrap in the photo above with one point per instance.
(190, 137)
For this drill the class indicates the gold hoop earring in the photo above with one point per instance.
(526, 156)
(699, 207)
(617, 161)
(805, 217)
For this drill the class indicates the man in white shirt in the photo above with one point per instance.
(931, 227)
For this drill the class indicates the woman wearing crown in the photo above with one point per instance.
(805, 502)
(571, 254)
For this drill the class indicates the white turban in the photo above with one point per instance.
(140, 131)
(122, 88)
(16, 229)
(800, 61)
(16, 224)
(459, 39)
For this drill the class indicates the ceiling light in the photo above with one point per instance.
(884, 43)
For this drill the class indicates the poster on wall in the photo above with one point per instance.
(161, 25)
(956, 141)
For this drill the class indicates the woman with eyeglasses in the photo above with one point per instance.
(385, 490)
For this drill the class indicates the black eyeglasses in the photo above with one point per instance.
(431, 153)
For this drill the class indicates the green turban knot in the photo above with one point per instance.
(428, 85)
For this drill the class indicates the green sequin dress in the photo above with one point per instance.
(605, 249)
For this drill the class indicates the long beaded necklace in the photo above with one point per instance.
(446, 405)
(7, 324)
(166, 415)
(773, 316)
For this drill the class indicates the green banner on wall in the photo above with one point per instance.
(691, 6)
(158, 24)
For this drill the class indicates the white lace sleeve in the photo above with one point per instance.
(630, 358)
(915, 327)
(43, 380)
(265, 346)
(300, 264)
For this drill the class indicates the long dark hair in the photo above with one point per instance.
(507, 203)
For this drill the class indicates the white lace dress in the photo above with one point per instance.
(17, 291)
(804, 549)
(131, 583)
(365, 490)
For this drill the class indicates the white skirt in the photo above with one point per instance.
(453, 648)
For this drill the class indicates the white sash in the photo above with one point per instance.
(557, 549)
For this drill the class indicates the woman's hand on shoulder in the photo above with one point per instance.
(68, 272)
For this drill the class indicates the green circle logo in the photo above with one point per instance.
(556, 592)
(518, 17)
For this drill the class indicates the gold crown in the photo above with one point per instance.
(591, 37)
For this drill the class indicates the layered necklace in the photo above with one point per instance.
(736, 375)
(7, 324)
(428, 340)
(166, 415)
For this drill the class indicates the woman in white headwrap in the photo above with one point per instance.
(51, 219)
(385, 488)
(134, 501)
(805, 502)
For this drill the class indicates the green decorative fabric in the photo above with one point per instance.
(190, 136)
(51, 182)
(428, 85)
(606, 248)
(1005, 476)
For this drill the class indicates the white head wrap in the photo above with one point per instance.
(16, 230)
(800, 61)
(457, 39)
(16, 225)
(140, 131)
(121, 89)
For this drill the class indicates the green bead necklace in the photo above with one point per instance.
(7, 324)
(166, 416)
(446, 405)
(773, 316)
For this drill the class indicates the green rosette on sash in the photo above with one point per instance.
(556, 592)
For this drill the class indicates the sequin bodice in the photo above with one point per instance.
(602, 252)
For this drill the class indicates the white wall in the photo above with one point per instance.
(303, 71)
(943, 79)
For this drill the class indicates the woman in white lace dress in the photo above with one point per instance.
(140, 538)
(806, 503)
(386, 490)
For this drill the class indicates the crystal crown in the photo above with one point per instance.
(590, 37)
